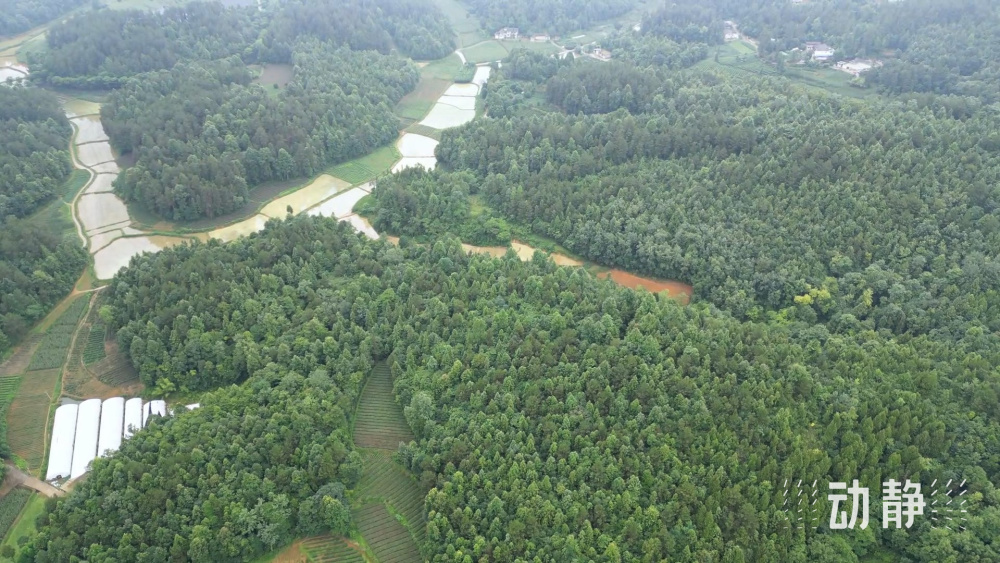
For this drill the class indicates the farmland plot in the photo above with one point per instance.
(94, 351)
(460, 102)
(89, 129)
(106, 168)
(340, 205)
(388, 538)
(471, 90)
(379, 421)
(10, 506)
(427, 162)
(444, 116)
(101, 184)
(28, 416)
(117, 255)
(320, 189)
(411, 145)
(93, 154)
(101, 210)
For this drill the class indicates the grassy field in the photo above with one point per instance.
(485, 52)
(465, 24)
(425, 131)
(24, 526)
(417, 103)
(546, 48)
(367, 167)
(76, 181)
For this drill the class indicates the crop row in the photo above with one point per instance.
(51, 353)
(330, 549)
(71, 316)
(10, 506)
(95, 344)
(8, 388)
(353, 172)
(389, 539)
(116, 370)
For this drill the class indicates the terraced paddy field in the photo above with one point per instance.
(379, 421)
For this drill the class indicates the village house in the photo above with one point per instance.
(601, 54)
(507, 33)
(820, 51)
(540, 38)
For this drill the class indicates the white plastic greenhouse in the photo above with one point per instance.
(61, 448)
(133, 417)
(153, 407)
(88, 420)
(112, 417)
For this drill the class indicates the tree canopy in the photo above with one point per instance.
(557, 416)
(37, 268)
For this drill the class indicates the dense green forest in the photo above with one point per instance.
(37, 268)
(417, 29)
(202, 134)
(20, 15)
(540, 16)
(101, 49)
(34, 156)
(929, 46)
(757, 195)
(558, 417)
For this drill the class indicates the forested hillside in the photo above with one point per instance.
(37, 268)
(202, 134)
(101, 49)
(762, 198)
(544, 16)
(557, 416)
(17, 16)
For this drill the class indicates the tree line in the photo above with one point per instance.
(37, 267)
(22, 16)
(542, 16)
(557, 416)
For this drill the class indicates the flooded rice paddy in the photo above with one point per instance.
(460, 102)
(101, 184)
(89, 129)
(101, 210)
(319, 190)
(412, 145)
(341, 205)
(93, 154)
(241, 229)
(444, 116)
(76, 108)
(117, 254)
(428, 162)
(107, 168)
(462, 90)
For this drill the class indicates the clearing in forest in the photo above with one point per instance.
(389, 505)
(379, 421)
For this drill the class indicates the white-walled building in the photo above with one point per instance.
(88, 421)
(61, 448)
